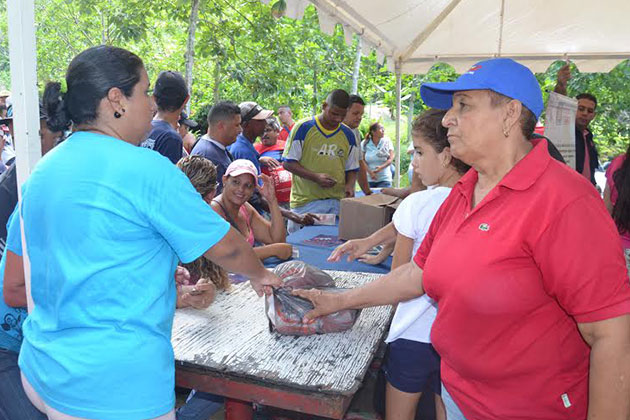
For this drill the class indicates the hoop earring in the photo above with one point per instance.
(117, 114)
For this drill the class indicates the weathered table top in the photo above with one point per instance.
(232, 338)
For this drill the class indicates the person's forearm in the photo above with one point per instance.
(351, 179)
(362, 177)
(384, 236)
(266, 251)
(401, 284)
(234, 254)
(14, 287)
(561, 88)
(297, 169)
(609, 380)
(277, 230)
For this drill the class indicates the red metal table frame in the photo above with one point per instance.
(240, 393)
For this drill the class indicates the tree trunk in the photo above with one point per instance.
(357, 67)
(217, 80)
(190, 46)
(315, 91)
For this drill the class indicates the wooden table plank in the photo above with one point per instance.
(232, 338)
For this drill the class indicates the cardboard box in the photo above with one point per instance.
(361, 216)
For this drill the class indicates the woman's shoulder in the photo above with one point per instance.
(419, 199)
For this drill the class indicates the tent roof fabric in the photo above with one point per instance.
(415, 34)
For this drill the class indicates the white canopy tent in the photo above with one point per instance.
(415, 34)
(411, 34)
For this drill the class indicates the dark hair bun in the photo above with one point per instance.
(54, 108)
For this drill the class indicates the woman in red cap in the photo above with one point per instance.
(524, 263)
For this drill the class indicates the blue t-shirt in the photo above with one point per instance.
(105, 228)
(244, 149)
(164, 139)
(217, 155)
(11, 318)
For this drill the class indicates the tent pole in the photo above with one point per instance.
(21, 14)
(398, 112)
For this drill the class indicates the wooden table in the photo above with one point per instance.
(228, 350)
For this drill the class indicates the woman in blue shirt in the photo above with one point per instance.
(104, 236)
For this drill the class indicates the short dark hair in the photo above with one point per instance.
(527, 118)
(273, 123)
(588, 96)
(285, 106)
(170, 91)
(356, 99)
(90, 76)
(338, 98)
(429, 126)
(222, 111)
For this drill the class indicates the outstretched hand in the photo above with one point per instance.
(267, 189)
(354, 248)
(324, 303)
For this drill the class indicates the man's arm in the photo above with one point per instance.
(609, 373)
(351, 180)
(362, 177)
(564, 74)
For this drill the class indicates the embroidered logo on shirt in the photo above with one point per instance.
(484, 227)
(565, 400)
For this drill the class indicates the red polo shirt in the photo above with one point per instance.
(285, 133)
(511, 278)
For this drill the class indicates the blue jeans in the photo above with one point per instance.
(14, 404)
(328, 206)
(380, 184)
(199, 406)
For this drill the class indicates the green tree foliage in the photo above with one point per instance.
(244, 51)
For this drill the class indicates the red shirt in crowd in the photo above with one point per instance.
(280, 176)
(512, 277)
(284, 133)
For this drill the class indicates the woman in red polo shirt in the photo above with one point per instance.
(524, 263)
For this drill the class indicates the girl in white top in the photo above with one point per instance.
(412, 364)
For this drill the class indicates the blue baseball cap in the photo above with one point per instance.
(501, 75)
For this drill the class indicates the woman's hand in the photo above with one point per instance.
(264, 283)
(372, 174)
(199, 296)
(182, 276)
(267, 189)
(355, 248)
(324, 303)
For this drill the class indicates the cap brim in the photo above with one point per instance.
(189, 123)
(237, 172)
(6, 120)
(263, 115)
(440, 95)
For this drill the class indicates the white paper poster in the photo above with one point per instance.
(560, 125)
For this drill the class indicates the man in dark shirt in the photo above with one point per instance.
(586, 158)
(253, 121)
(224, 124)
(171, 95)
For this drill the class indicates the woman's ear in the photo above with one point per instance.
(117, 100)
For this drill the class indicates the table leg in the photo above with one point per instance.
(238, 410)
